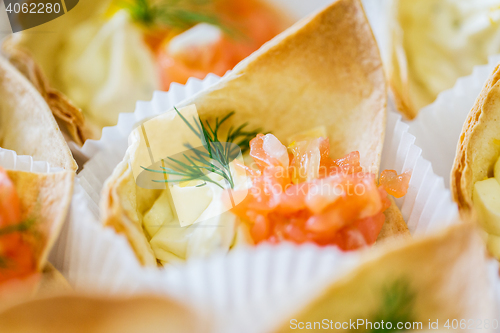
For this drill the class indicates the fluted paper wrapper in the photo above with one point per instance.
(10, 160)
(439, 125)
(245, 289)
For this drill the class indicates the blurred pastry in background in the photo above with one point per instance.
(33, 207)
(27, 124)
(475, 177)
(434, 42)
(92, 313)
(106, 55)
(432, 279)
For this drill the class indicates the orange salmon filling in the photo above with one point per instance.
(16, 255)
(300, 194)
(255, 24)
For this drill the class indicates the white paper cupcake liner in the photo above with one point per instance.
(438, 125)
(427, 204)
(10, 160)
(242, 290)
(245, 289)
(493, 269)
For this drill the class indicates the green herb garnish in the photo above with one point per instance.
(17, 227)
(5, 262)
(397, 306)
(179, 14)
(213, 156)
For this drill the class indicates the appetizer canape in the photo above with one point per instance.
(27, 124)
(308, 108)
(475, 177)
(434, 42)
(406, 288)
(33, 208)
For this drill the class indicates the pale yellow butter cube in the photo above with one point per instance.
(159, 213)
(486, 199)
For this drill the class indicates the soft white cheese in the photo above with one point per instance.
(215, 229)
(106, 67)
(214, 234)
(199, 36)
(171, 240)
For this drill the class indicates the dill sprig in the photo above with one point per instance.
(20, 227)
(179, 14)
(397, 306)
(5, 262)
(213, 156)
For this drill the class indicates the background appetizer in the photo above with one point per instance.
(81, 313)
(271, 175)
(330, 115)
(475, 175)
(434, 42)
(27, 124)
(33, 208)
(406, 285)
(113, 53)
